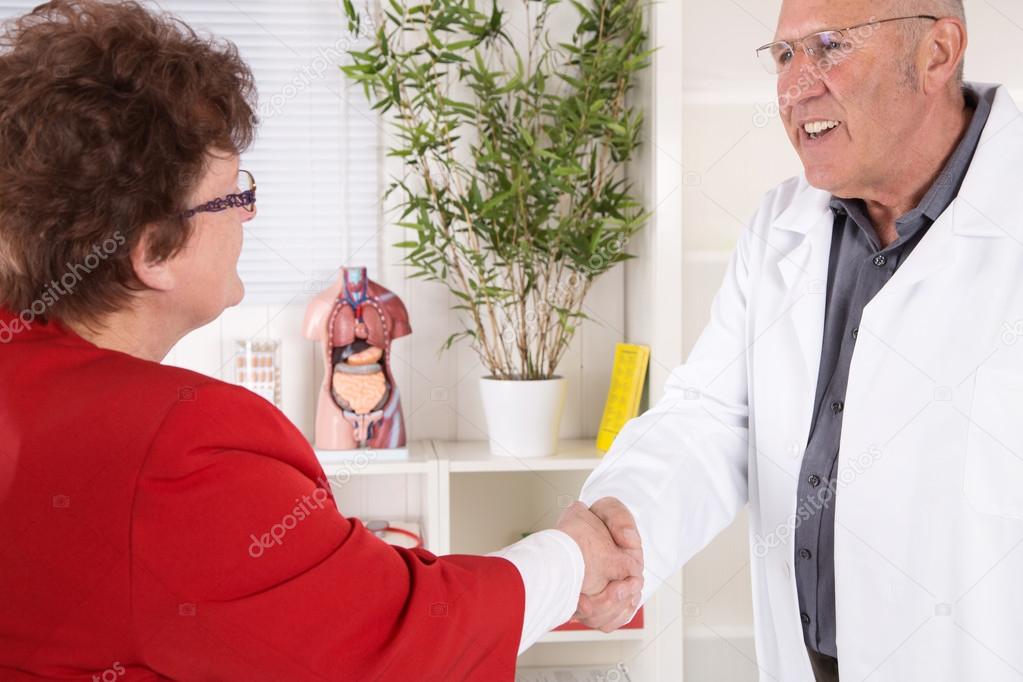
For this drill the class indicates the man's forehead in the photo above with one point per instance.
(801, 17)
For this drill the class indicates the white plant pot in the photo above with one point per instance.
(523, 417)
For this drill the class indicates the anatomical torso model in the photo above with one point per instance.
(355, 320)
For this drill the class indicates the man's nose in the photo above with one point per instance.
(802, 80)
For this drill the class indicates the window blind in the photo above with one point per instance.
(316, 158)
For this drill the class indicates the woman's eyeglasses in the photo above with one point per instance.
(245, 198)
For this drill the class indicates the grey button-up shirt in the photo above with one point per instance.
(857, 270)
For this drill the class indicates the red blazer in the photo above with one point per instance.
(132, 497)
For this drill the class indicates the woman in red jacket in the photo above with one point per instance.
(130, 491)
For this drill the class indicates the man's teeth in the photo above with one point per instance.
(817, 127)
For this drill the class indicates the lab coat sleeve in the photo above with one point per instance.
(551, 565)
(681, 467)
(243, 568)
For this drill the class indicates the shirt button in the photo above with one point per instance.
(837, 406)
(804, 554)
(805, 618)
(814, 480)
(855, 333)
(880, 260)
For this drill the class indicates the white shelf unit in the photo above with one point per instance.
(380, 485)
(471, 502)
(474, 456)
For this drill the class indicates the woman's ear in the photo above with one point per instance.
(154, 274)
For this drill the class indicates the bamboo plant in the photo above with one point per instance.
(514, 148)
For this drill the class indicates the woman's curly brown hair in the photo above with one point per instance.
(107, 114)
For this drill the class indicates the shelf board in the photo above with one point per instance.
(474, 456)
(561, 637)
(417, 458)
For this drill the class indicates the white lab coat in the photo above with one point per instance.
(929, 528)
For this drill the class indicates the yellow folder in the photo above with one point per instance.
(625, 392)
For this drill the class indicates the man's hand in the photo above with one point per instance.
(605, 560)
(614, 605)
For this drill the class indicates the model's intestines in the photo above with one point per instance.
(360, 393)
(359, 382)
(359, 385)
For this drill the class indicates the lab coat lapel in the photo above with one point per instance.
(805, 229)
(990, 203)
(984, 207)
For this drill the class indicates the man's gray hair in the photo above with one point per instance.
(938, 8)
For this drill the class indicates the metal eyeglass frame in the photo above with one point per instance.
(841, 31)
(246, 200)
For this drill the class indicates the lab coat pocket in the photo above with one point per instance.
(993, 476)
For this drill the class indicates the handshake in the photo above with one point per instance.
(607, 535)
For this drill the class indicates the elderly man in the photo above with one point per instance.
(860, 383)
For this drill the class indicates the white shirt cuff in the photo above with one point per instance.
(551, 565)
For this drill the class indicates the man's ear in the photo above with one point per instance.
(946, 47)
(158, 275)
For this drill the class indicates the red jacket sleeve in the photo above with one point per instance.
(244, 569)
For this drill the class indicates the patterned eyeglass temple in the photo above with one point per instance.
(246, 199)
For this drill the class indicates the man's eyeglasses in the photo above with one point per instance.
(822, 47)
(245, 198)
